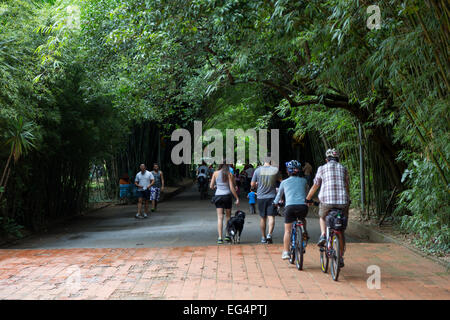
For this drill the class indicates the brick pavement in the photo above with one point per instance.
(215, 272)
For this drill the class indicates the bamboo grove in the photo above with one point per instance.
(107, 81)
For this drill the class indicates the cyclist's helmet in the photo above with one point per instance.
(332, 153)
(293, 166)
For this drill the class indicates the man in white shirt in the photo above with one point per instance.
(250, 172)
(144, 180)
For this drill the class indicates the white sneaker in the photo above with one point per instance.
(145, 215)
(285, 255)
(138, 216)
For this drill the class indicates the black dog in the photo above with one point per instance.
(235, 226)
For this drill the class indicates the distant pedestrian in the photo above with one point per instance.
(238, 178)
(307, 170)
(144, 180)
(252, 201)
(158, 186)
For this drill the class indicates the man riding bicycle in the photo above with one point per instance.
(333, 180)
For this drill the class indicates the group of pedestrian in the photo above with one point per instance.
(267, 190)
(149, 186)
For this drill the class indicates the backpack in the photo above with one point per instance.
(336, 220)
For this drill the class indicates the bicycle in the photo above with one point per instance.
(336, 223)
(298, 243)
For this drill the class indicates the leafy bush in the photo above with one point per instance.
(8, 227)
(424, 207)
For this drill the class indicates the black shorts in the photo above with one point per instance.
(224, 202)
(266, 207)
(145, 194)
(292, 212)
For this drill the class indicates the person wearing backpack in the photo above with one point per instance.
(333, 181)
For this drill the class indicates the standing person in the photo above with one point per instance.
(157, 187)
(124, 185)
(238, 181)
(307, 170)
(223, 181)
(245, 180)
(250, 171)
(202, 175)
(252, 201)
(294, 189)
(144, 180)
(264, 179)
(210, 171)
(333, 180)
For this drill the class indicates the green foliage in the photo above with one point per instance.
(8, 227)
(427, 200)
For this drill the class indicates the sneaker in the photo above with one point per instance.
(322, 241)
(341, 263)
(227, 239)
(269, 238)
(138, 216)
(219, 241)
(145, 215)
(153, 209)
(263, 240)
(285, 255)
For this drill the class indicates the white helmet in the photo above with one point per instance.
(332, 153)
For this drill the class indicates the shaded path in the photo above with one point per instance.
(182, 221)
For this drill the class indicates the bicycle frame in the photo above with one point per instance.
(296, 224)
(330, 252)
(296, 254)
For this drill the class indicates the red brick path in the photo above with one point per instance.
(215, 272)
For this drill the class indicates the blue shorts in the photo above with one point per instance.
(145, 194)
(154, 193)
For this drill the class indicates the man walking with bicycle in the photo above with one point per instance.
(333, 180)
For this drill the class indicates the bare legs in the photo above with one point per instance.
(220, 219)
(287, 236)
(140, 205)
(262, 225)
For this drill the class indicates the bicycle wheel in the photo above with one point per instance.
(336, 257)
(323, 259)
(292, 248)
(299, 248)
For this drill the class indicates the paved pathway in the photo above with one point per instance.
(214, 272)
(108, 255)
(182, 221)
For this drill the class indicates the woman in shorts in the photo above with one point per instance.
(223, 181)
(295, 190)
